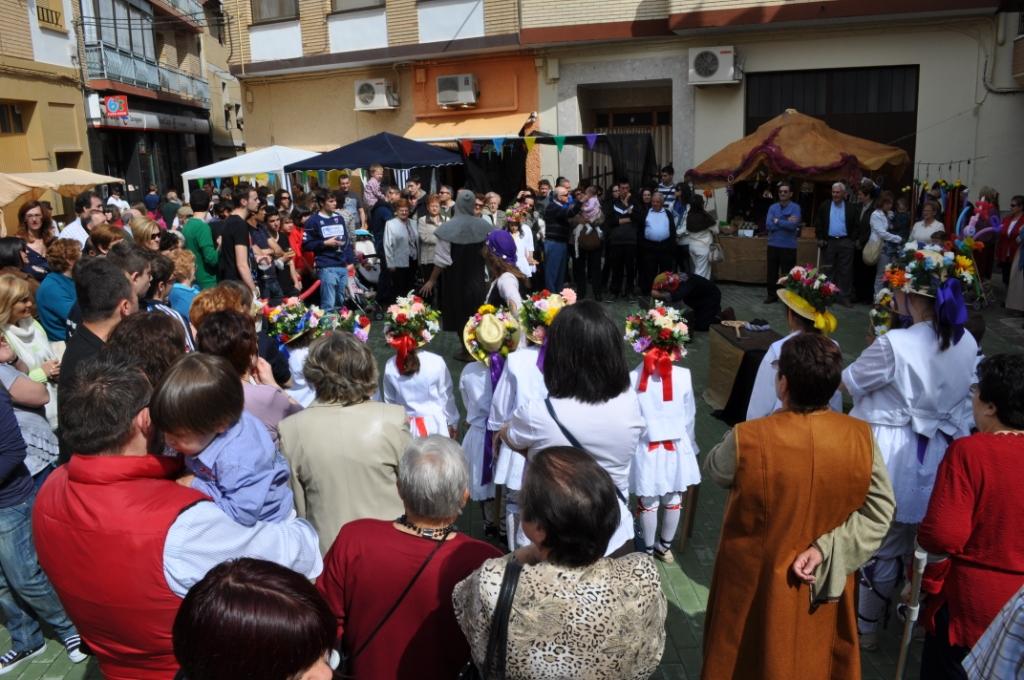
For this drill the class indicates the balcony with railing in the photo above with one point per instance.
(105, 62)
(188, 11)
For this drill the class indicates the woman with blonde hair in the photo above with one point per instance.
(145, 232)
(28, 339)
(102, 237)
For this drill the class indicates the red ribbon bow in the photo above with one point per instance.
(667, 445)
(660, 361)
(403, 344)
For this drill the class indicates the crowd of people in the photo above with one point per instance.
(205, 475)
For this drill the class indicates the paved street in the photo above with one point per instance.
(686, 583)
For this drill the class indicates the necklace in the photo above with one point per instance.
(438, 534)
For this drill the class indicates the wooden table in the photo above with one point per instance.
(733, 363)
(746, 259)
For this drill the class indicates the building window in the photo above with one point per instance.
(349, 5)
(11, 122)
(274, 10)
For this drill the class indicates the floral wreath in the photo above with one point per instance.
(509, 343)
(660, 334)
(293, 319)
(517, 214)
(666, 281)
(358, 324)
(411, 323)
(809, 293)
(925, 269)
(883, 313)
(540, 309)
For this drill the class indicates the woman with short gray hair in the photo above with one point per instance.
(390, 584)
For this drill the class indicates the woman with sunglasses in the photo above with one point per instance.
(146, 233)
(36, 229)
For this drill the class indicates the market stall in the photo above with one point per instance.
(799, 149)
(270, 160)
(17, 188)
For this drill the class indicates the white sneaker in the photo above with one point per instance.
(13, 659)
(73, 646)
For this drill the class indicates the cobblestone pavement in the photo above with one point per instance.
(686, 582)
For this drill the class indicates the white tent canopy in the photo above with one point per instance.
(270, 160)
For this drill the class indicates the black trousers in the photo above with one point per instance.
(837, 261)
(586, 268)
(622, 268)
(659, 256)
(683, 261)
(939, 659)
(780, 261)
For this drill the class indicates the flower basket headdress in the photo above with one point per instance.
(355, 322)
(936, 271)
(540, 309)
(489, 336)
(809, 294)
(411, 323)
(293, 319)
(660, 335)
(666, 281)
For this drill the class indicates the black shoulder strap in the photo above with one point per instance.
(497, 641)
(401, 597)
(575, 442)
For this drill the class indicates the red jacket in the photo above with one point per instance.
(100, 523)
(1007, 246)
(976, 516)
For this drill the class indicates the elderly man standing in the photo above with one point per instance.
(810, 501)
(557, 231)
(414, 561)
(122, 541)
(836, 228)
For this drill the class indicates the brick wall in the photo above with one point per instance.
(15, 38)
(313, 20)
(238, 15)
(544, 13)
(403, 22)
(500, 17)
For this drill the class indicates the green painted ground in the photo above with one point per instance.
(686, 582)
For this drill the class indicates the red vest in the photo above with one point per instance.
(100, 523)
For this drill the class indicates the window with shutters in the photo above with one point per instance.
(350, 5)
(274, 10)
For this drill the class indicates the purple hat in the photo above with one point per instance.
(502, 244)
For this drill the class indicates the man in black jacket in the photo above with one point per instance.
(622, 225)
(837, 228)
(557, 232)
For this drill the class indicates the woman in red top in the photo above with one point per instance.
(1013, 225)
(976, 517)
(390, 584)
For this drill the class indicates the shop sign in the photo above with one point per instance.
(115, 106)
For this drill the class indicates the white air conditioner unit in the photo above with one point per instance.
(457, 91)
(714, 66)
(375, 95)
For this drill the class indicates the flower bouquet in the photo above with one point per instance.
(659, 334)
(293, 319)
(540, 309)
(355, 322)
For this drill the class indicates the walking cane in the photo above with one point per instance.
(911, 610)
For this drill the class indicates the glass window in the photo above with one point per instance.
(269, 10)
(11, 121)
(348, 5)
(124, 39)
(105, 15)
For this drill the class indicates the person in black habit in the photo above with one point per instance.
(459, 267)
(699, 294)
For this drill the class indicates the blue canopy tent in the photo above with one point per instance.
(391, 151)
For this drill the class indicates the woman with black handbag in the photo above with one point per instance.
(560, 609)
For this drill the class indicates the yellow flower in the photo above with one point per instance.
(486, 309)
(964, 264)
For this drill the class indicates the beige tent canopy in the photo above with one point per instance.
(799, 146)
(17, 188)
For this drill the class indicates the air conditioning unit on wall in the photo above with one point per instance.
(375, 95)
(457, 91)
(714, 66)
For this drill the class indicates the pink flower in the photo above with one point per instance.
(569, 295)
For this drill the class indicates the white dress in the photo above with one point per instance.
(666, 458)
(428, 395)
(763, 400)
(520, 383)
(300, 390)
(475, 387)
(609, 431)
(912, 395)
(524, 245)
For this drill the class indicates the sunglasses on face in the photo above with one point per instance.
(154, 237)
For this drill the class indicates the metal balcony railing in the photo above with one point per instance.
(106, 62)
(189, 7)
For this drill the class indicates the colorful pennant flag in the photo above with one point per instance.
(559, 142)
(200, 182)
(476, 150)
(529, 141)
(216, 183)
(591, 140)
(467, 146)
(499, 143)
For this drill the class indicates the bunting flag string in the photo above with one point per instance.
(591, 139)
(200, 182)
(216, 183)
(559, 142)
(467, 146)
(476, 150)
(499, 143)
(529, 141)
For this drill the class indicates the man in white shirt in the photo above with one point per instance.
(121, 541)
(117, 199)
(89, 208)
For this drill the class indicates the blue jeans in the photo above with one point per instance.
(556, 256)
(22, 577)
(333, 285)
